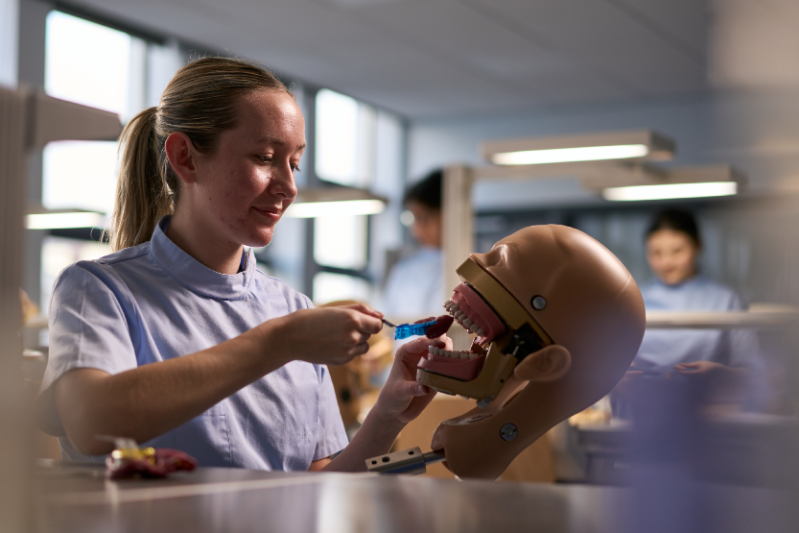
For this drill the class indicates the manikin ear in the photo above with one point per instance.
(182, 156)
(547, 364)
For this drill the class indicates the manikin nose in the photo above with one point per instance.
(491, 259)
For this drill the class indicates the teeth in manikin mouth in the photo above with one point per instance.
(452, 354)
(468, 324)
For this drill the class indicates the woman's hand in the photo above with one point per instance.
(717, 373)
(403, 398)
(400, 401)
(330, 335)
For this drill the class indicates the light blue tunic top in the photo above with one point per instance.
(155, 302)
(414, 286)
(664, 348)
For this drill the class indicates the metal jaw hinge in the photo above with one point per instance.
(524, 342)
(412, 462)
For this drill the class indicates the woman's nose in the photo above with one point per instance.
(284, 182)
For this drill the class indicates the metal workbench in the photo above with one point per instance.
(80, 499)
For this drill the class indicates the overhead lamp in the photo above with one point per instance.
(64, 219)
(670, 191)
(624, 145)
(335, 200)
(668, 184)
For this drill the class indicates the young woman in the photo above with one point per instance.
(175, 339)
(730, 357)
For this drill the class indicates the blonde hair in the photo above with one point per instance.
(200, 102)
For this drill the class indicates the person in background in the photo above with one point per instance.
(729, 357)
(413, 288)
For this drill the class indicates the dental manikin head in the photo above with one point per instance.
(558, 319)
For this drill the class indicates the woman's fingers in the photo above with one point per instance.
(367, 323)
(411, 389)
(365, 309)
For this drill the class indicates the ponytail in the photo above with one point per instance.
(199, 101)
(143, 196)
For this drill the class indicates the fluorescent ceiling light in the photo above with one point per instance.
(340, 207)
(571, 155)
(606, 146)
(78, 219)
(670, 191)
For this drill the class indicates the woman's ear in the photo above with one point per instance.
(182, 156)
(547, 364)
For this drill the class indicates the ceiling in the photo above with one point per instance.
(436, 58)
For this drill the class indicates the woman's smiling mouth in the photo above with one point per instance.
(272, 213)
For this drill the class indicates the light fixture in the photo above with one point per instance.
(625, 145)
(335, 200)
(670, 191)
(647, 183)
(64, 219)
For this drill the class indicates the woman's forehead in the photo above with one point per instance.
(270, 116)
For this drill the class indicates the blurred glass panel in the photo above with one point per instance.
(340, 241)
(345, 149)
(97, 66)
(80, 175)
(162, 63)
(329, 287)
(87, 63)
(58, 253)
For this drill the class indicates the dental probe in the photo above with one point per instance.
(411, 461)
(431, 327)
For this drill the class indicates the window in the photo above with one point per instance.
(345, 155)
(89, 64)
(105, 68)
(102, 67)
(345, 140)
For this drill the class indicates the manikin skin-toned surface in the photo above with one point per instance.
(594, 316)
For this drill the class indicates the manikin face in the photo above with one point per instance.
(671, 255)
(246, 184)
(426, 228)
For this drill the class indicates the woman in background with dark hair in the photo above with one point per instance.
(413, 288)
(673, 245)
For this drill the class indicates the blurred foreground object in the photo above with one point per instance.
(28, 120)
(129, 461)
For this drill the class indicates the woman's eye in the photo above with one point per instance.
(295, 168)
(265, 158)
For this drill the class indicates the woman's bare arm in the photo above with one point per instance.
(147, 401)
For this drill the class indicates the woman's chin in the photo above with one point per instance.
(259, 239)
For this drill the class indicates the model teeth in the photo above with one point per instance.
(460, 317)
(452, 354)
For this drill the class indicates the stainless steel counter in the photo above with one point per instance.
(79, 499)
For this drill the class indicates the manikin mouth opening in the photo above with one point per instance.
(473, 314)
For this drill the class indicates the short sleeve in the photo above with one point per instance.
(332, 437)
(88, 329)
(743, 343)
